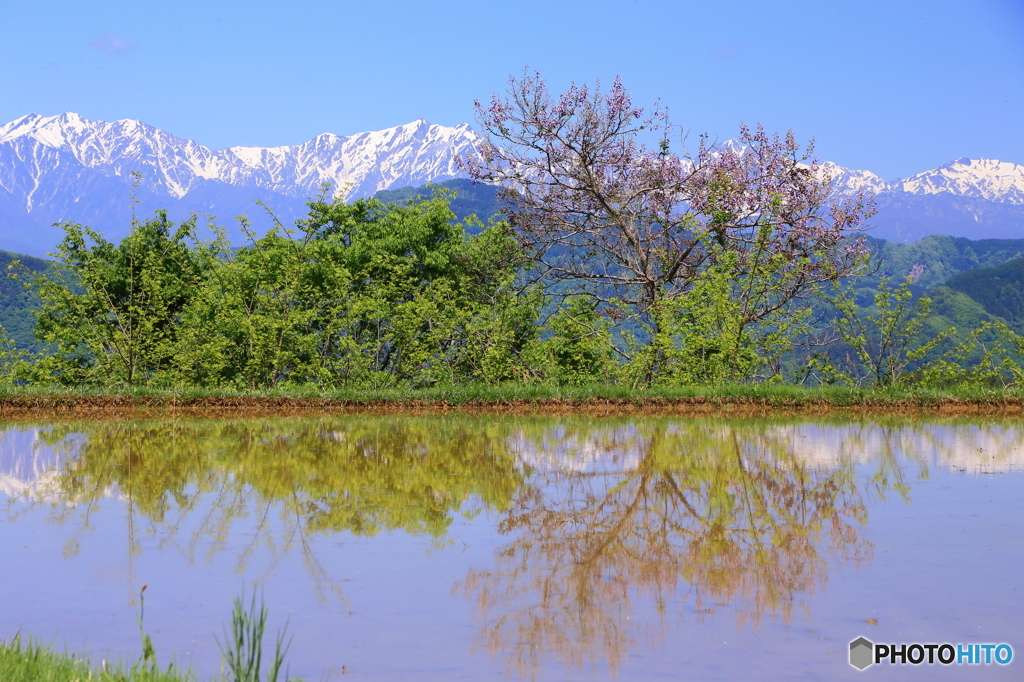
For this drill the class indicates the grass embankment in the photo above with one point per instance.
(516, 397)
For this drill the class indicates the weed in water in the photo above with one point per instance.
(243, 645)
(148, 650)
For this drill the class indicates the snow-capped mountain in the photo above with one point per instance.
(980, 178)
(412, 154)
(976, 178)
(67, 168)
(973, 198)
(846, 181)
(56, 168)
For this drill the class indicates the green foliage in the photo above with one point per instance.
(380, 296)
(990, 356)
(698, 338)
(579, 350)
(373, 294)
(885, 340)
(15, 362)
(26, 660)
(364, 294)
(733, 324)
(112, 312)
(944, 340)
(30, 661)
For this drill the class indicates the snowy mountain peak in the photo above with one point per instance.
(730, 145)
(411, 154)
(849, 181)
(988, 179)
(67, 167)
(18, 126)
(985, 178)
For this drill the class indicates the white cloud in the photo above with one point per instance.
(111, 44)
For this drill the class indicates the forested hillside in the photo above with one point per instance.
(470, 198)
(935, 259)
(999, 290)
(16, 302)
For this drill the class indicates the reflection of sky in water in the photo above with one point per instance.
(29, 465)
(387, 606)
(971, 447)
(607, 451)
(968, 447)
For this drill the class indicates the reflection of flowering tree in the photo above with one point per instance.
(721, 509)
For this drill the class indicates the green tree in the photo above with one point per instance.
(886, 342)
(112, 311)
(364, 293)
(580, 347)
(731, 325)
(990, 356)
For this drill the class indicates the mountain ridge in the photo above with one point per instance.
(365, 160)
(66, 167)
(982, 178)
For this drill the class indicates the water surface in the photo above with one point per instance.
(445, 548)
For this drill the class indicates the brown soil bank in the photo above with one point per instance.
(101, 405)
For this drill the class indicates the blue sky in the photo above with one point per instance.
(895, 86)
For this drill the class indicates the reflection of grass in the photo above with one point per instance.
(484, 395)
(26, 660)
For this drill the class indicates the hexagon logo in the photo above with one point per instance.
(861, 653)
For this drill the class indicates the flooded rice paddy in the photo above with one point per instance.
(494, 547)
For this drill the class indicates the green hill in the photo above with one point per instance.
(471, 198)
(999, 290)
(935, 259)
(17, 303)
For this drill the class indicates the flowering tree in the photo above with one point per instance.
(637, 227)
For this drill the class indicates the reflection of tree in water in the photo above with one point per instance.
(600, 514)
(726, 510)
(194, 482)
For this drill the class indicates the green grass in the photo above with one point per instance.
(26, 660)
(472, 395)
